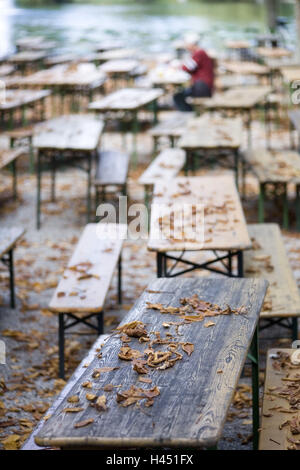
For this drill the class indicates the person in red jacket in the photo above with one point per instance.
(201, 69)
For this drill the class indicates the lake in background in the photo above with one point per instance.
(150, 25)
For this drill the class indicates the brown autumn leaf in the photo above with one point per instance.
(209, 324)
(87, 384)
(72, 410)
(90, 396)
(73, 399)
(85, 422)
(135, 329)
(145, 380)
(187, 348)
(127, 354)
(139, 366)
(100, 403)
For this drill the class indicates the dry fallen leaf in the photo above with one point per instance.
(83, 423)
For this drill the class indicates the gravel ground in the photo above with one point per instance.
(29, 378)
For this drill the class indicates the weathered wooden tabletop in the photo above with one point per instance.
(275, 165)
(70, 132)
(71, 75)
(243, 97)
(26, 57)
(210, 132)
(273, 52)
(6, 69)
(124, 66)
(9, 236)
(116, 54)
(213, 200)
(245, 68)
(17, 98)
(126, 99)
(194, 394)
(239, 44)
(290, 73)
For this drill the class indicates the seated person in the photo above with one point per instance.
(201, 68)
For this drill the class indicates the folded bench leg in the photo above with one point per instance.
(61, 345)
(100, 321)
(120, 280)
(253, 356)
(11, 278)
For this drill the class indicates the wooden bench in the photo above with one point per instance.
(19, 135)
(82, 291)
(275, 169)
(165, 166)
(172, 128)
(8, 157)
(112, 170)
(278, 414)
(268, 260)
(30, 444)
(9, 236)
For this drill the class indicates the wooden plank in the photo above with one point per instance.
(244, 67)
(276, 410)
(273, 52)
(64, 75)
(119, 66)
(6, 69)
(238, 44)
(112, 168)
(268, 260)
(70, 132)
(290, 73)
(274, 166)
(96, 254)
(210, 132)
(17, 98)
(242, 97)
(165, 166)
(126, 99)
(30, 444)
(26, 57)
(173, 126)
(8, 156)
(9, 236)
(221, 224)
(194, 394)
(116, 54)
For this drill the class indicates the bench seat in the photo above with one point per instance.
(112, 170)
(83, 288)
(268, 260)
(9, 157)
(275, 432)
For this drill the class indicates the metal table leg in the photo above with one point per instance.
(61, 345)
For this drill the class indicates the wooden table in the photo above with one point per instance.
(27, 60)
(246, 68)
(242, 100)
(73, 79)
(18, 101)
(34, 43)
(130, 101)
(273, 52)
(217, 223)
(208, 134)
(194, 395)
(122, 69)
(172, 128)
(6, 69)
(115, 54)
(64, 141)
(168, 77)
(290, 73)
